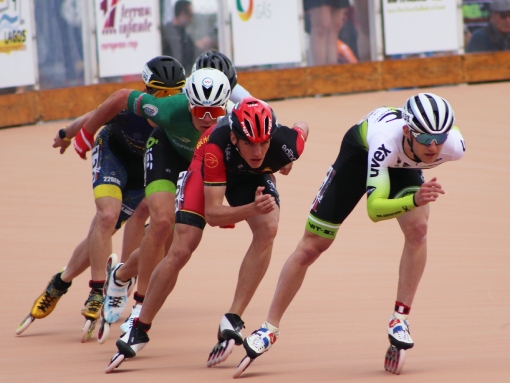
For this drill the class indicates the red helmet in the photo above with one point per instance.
(253, 120)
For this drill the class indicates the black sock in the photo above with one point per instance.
(60, 284)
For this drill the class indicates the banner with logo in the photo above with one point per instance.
(127, 35)
(265, 32)
(416, 26)
(17, 61)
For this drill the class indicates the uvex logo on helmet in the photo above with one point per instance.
(208, 87)
(207, 82)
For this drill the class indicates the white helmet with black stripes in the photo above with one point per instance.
(428, 113)
(208, 87)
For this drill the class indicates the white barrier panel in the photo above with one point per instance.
(416, 26)
(17, 65)
(265, 32)
(127, 35)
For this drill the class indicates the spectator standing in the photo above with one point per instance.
(177, 42)
(326, 19)
(496, 35)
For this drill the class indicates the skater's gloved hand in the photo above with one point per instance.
(83, 142)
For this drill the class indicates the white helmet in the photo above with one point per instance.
(208, 87)
(428, 113)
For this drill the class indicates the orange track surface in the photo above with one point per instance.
(334, 331)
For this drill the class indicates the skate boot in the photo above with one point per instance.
(91, 311)
(400, 341)
(46, 302)
(129, 345)
(128, 324)
(115, 299)
(229, 334)
(256, 344)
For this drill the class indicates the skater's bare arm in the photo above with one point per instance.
(115, 104)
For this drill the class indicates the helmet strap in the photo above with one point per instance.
(410, 142)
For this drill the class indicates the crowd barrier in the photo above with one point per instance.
(66, 103)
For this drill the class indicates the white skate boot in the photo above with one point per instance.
(400, 341)
(104, 328)
(256, 344)
(115, 298)
(229, 334)
(128, 324)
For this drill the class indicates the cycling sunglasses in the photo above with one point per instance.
(213, 111)
(428, 139)
(161, 92)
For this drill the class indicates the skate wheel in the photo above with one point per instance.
(401, 361)
(245, 362)
(209, 361)
(87, 330)
(224, 354)
(113, 260)
(117, 359)
(103, 332)
(220, 352)
(394, 360)
(213, 356)
(24, 325)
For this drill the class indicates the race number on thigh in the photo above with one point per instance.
(179, 192)
(96, 163)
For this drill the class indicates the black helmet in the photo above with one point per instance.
(217, 60)
(164, 72)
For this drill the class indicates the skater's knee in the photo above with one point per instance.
(305, 256)
(415, 231)
(265, 231)
(310, 248)
(106, 219)
(161, 224)
(179, 256)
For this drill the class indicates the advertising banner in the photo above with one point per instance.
(265, 32)
(17, 65)
(127, 35)
(416, 26)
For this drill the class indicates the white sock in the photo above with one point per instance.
(400, 316)
(275, 330)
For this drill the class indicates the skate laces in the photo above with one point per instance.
(399, 328)
(262, 339)
(130, 321)
(128, 324)
(46, 302)
(51, 295)
(258, 340)
(115, 302)
(94, 302)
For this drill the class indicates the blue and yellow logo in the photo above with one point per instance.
(244, 15)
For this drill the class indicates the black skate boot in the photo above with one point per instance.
(130, 344)
(229, 334)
